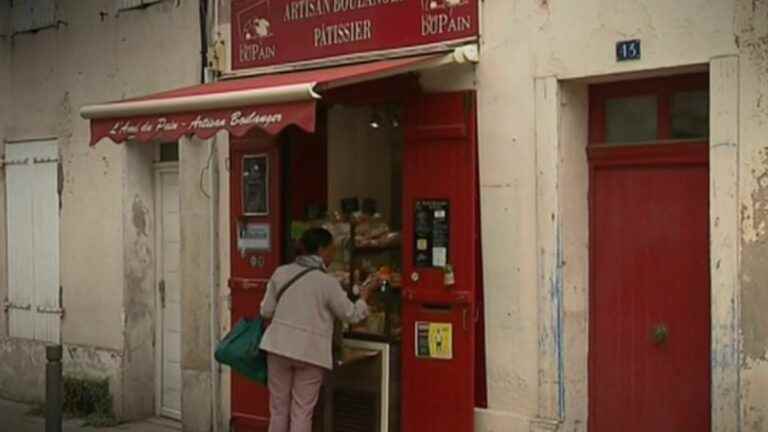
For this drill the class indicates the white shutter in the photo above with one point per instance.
(33, 240)
(21, 255)
(45, 236)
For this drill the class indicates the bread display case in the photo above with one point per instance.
(366, 248)
(362, 393)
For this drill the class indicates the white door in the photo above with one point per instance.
(168, 292)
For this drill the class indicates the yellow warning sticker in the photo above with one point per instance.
(434, 340)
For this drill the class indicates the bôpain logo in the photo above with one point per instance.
(257, 28)
(444, 16)
(255, 33)
(435, 5)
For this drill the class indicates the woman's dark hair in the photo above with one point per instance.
(315, 239)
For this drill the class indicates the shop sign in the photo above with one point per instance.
(269, 118)
(434, 340)
(273, 32)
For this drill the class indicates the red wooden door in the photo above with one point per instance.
(256, 250)
(650, 292)
(439, 183)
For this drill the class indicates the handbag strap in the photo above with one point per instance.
(291, 282)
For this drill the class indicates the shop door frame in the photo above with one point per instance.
(661, 152)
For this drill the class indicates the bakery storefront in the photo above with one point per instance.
(343, 114)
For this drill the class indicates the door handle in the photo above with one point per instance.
(161, 288)
(660, 334)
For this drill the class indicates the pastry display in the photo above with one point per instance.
(367, 252)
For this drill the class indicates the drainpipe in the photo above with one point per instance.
(214, 279)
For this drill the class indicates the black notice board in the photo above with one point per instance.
(422, 339)
(431, 233)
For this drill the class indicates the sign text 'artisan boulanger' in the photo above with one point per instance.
(272, 32)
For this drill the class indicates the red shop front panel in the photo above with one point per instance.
(256, 250)
(440, 268)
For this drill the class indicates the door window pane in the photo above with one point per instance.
(690, 114)
(631, 119)
(169, 152)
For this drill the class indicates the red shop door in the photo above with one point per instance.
(439, 226)
(649, 271)
(256, 250)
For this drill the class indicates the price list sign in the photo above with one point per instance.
(431, 233)
(434, 340)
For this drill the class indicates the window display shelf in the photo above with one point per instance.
(376, 249)
(385, 306)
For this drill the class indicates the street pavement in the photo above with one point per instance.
(14, 417)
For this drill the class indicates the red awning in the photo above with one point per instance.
(270, 102)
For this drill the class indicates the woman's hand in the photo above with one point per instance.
(369, 286)
(365, 292)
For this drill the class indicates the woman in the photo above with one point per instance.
(298, 340)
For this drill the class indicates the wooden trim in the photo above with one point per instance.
(592, 318)
(659, 85)
(725, 236)
(695, 153)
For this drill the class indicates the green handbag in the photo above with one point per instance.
(240, 350)
(240, 347)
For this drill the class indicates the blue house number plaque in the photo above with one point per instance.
(628, 50)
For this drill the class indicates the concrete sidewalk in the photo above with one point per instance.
(14, 418)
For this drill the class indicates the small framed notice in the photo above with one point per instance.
(431, 233)
(256, 185)
(254, 237)
(434, 340)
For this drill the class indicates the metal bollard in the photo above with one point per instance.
(54, 389)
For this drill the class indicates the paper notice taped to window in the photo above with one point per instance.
(439, 256)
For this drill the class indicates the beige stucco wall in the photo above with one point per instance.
(572, 42)
(195, 281)
(223, 305)
(752, 32)
(107, 263)
(140, 280)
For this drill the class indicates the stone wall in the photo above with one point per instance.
(97, 54)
